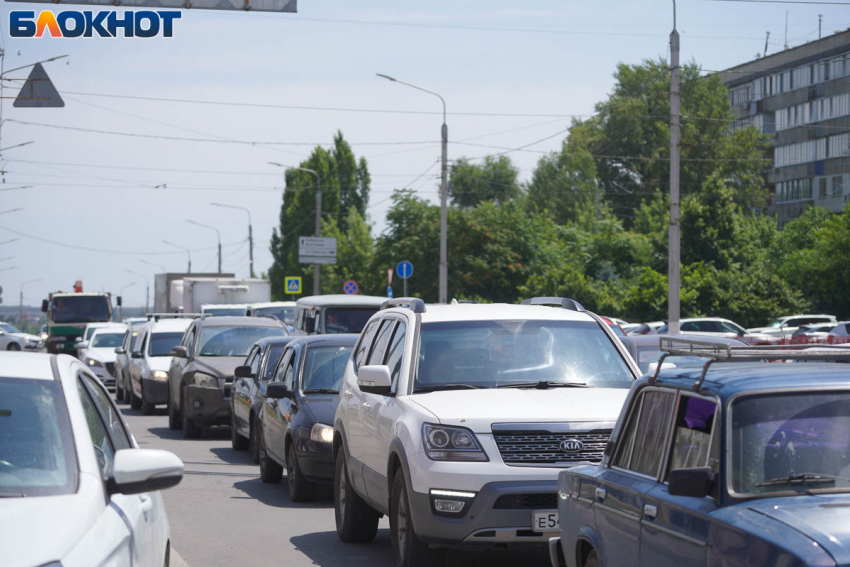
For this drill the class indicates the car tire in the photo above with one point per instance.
(148, 408)
(356, 521)
(300, 489)
(190, 428)
(591, 560)
(14, 347)
(408, 549)
(238, 442)
(174, 420)
(270, 471)
(253, 444)
(135, 401)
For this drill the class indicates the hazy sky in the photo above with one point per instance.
(544, 60)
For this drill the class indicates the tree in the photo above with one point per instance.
(354, 251)
(494, 179)
(564, 186)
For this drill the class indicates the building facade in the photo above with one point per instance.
(801, 97)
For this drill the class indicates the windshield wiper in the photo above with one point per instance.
(321, 391)
(802, 478)
(545, 385)
(438, 387)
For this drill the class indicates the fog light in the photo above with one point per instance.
(450, 502)
(449, 506)
(196, 404)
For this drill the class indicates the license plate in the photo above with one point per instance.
(545, 521)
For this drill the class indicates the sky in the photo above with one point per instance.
(111, 177)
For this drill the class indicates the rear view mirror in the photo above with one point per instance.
(310, 325)
(44, 305)
(179, 352)
(136, 354)
(374, 379)
(82, 344)
(243, 372)
(277, 390)
(695, 482)
(144, 470)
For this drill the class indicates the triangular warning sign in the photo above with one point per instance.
(38, 91)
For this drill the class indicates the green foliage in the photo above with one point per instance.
(354, 250)
(563, 186)
(494, 179)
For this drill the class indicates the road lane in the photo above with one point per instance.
(222, 514)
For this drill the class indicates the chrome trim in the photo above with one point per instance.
(562, 427)
(583, 499)
(673, 533)
(650, 511)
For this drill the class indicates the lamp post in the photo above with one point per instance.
(21, 308)
(218, 232)
(11, 211)
(9, 241)
(318, 217)
(147, 289)
(250, 233)
(444, 198)
(160, 266)
(674, 236)
(121, 295)
(189, 252)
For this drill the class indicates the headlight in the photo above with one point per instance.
(44, 336)
(93, 362)
(160, 375)
(207, 380)
(322, 433)
(443, 443)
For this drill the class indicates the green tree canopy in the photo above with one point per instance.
(494, 179)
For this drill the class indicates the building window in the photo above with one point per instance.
(837, 186)
(822, 186)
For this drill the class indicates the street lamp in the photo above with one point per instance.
(15, 146)
(21, 312)
(11, 211)
(250, 233)
(189, 252)
(121, 297)
(147, 289)
(160, 266)
(219, 239)
(9, 241)
(318, 218)
(444, 272)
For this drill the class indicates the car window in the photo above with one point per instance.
(689, 326)
(254, 361)
(97, 429)
(160, 344)
(280, 368)
(272, 358)
(380, 348)
(347, 319)
(365, 342)
(641, 449)
(396, 354)
(225, 340)
(110, 414)
(89, 332)
(289, 375)
(692, 433)
(731, 328)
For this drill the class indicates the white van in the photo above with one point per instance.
(326, 314)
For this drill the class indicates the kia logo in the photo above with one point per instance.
(571, 446)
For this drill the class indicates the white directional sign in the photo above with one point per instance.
(312, 250)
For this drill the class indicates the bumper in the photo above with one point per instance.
(155, 391)
(105, 377)
(207, 406)
(33, 347)
(500, 513)
(62, 347)
(315, 459)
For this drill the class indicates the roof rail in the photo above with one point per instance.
(158, 316)
(413, 303)
(715, 352)
(456, 301)
(564, 302)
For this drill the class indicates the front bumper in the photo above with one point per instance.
(500, 513)
(105, 377)
(207, 406)
(33, 347)
(315, 459)
(155, 391)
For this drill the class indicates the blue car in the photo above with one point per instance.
(742, 463)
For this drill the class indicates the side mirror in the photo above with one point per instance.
(374, 379)
(144, 470)
(78, 340)
(179, 351)
(119, 350)
(82, 344)
(277, 390)
(243, 372)
(2, 332)
(695, 482)
(118, 301)
(44, 305)
(137, 354)
(310, 326)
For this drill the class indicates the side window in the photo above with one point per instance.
(692, 433)
(380, 348)
(125, 340)
(365, 342)
(190, 340)
(289, 374)
(689, 326)
(396, 355)
(254, 360)
(140, 342)
(285, 358)
(642, 445)
(99, 438)
(110, 414)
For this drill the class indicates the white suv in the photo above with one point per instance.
(455, 420)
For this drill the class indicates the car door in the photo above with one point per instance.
(241, 392)
(379, 412)
(175, 371)
(675, 529)
(276, 411)
(620, 491)
(350, 395)
(135, 364)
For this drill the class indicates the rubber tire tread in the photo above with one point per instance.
(270, 471)
(300, 489)
(418, 553)
(360, 521)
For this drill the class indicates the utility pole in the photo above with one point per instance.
(820, 24)
(250, 235)
(673, 260)
(21, 308)
(786, 30)
(316, 271)
(767, 37)
(596, 207)
(218, 232)
(188, 252)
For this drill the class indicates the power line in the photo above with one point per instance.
(813, 3)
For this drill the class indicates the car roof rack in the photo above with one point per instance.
(721, 352)
(564, 302)
(456, 301)
(158, 316)
(413, 303)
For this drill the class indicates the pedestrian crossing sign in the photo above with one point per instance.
(293, 285)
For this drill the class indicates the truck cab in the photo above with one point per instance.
(69, 313)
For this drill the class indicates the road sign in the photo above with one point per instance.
(350, 287)
(390, 292)
(38, 91)
(312, 250)
(293, 285)
(404, 269)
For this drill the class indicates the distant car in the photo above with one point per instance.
(249, 391)
(283, 310)
(225, 310)
(812, 333)
(123, 360)
(13, 339)
(201, 372)
(148, 383)
(785, 326)
(717, 327)
(89, 331)
(649, 351)
(328, 314)
(615, 326)
(841, 332)
(307, 378)
(71, 468)
(98, 353)
(650, 328)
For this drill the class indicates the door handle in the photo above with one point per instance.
(147, 502)
(367, 405)
(347, 395)
(650, 511)
(601, 493)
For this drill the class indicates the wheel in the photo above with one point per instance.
(174, 420)
(148, 408)
(13, 347)
(408, 549)
(300, 489)
(238, 442)
(190, 428)
(270, 471)
(591, 560)
(253, 444)
(135, 401)
(356, 521)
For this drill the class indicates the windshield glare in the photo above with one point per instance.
(37, 455)
(234, 341)
(347, 320)
(285, 314)
(79, 309)
(489, 354)
(104, 340)
(160, 344)
(780, 435)
(324, 367)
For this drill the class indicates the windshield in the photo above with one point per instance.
(347, 319)
(160, 343)
(489, 354)
(285, 314)
(324, 367)
(80, 309)
(649, 355)
(225, 311)
(781, 435)
(37, 455)
(234, 341)
(273, 358)
(104, 340)
(7, 328)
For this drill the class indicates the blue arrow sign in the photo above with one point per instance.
(404, 269)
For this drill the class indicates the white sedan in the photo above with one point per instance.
(76, 490)
(13, 339)
(98, 352)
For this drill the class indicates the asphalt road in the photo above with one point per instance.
(222, 514)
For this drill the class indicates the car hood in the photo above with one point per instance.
(824, 519)
(478, 409)
(26, 336)
(159, 362)
(220, 365)
(322, 406)
(46, 528)
(101, 354)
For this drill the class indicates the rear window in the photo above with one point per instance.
(107, 340)
(160, 344)
(234, 341)
(347, 319)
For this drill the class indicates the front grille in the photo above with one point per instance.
(543, 447)
(110, 367)
(527, 502)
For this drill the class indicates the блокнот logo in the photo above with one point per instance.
(86, 23)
